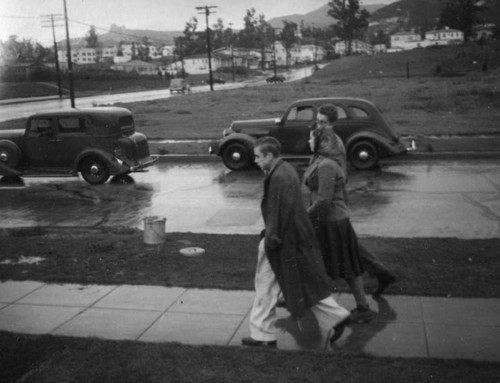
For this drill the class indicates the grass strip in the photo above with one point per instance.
(46, 358)
(447, 267)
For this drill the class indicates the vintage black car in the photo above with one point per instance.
(361, 125)
(96, 142)
(277, 78)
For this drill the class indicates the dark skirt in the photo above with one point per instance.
(339, 248)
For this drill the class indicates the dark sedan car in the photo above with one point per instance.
(95, 142)
(361, 125)
(277, 78)
(217, 80)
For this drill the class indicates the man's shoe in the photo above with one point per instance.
(384, 280)
(338, 329)
(258, 343)
(362, 315)
(281, 303)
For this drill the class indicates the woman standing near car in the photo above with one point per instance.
(329, 213)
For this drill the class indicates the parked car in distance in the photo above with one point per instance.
(361, 125)
(277, 78)
(95, 142)
(217, 80)
(179, 85)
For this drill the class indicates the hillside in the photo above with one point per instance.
(319, 17)
(121, 33)
(425, 13)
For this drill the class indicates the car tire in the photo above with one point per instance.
(237, 156)
(10, 154)
(94, 170)
(363, 155)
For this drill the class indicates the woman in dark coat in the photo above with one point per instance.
(326, 179)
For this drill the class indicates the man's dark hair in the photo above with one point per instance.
(330, 111)
(268, 145)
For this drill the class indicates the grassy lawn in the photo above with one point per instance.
(26, 358)
(425, 266)
(464, 101)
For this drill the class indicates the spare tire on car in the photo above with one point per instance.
(10, 154)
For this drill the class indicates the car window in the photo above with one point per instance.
(358, 112)
(41, 125)
(301, 113)
(341, 113)
(72, 125)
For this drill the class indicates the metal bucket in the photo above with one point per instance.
(154, 230)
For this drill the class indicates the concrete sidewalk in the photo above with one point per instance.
(406, 326)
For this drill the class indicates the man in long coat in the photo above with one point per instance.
(289, 259)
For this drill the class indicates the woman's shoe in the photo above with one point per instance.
(362, 315)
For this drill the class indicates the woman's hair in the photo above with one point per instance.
(330, 111)
(325, 141)
(268, 145)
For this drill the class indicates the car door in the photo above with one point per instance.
(293, 132)
(38, 140)
(71, 138)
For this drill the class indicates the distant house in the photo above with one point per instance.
(445, 36)
(141, 67)
(196, 64)
(357, 47)
(167, 50)
(405, 40)
(88, 55)
(242, 57)
(410, 40)
(25, 71)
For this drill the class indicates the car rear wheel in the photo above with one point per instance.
(10, 154)
(237, 156)
(363, 155)
(94, 170)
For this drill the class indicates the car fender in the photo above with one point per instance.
(236, 137)
(380, 142)
(115, 167)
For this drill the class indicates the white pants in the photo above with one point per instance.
(263, 314)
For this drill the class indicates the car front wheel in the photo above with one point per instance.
(236, 156)
(363, 155)
(94, 170)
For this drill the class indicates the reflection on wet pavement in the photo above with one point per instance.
(414, 199)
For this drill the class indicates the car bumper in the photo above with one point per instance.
(144, 164)
(214, 147)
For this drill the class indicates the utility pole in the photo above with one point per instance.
(70, 66)
(315, 47)
(232, 53)
(274, 48)
(207, 12)
(58, 71)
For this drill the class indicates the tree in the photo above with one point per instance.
(247, 36)
(461, 15)
(192, 42)
(288, 38)
(351, 20)
(265, 37)
(91, 38)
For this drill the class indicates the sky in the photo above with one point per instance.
(23, 17)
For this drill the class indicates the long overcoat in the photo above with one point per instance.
(290, 242)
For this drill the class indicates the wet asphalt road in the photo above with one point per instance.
(434, 198)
